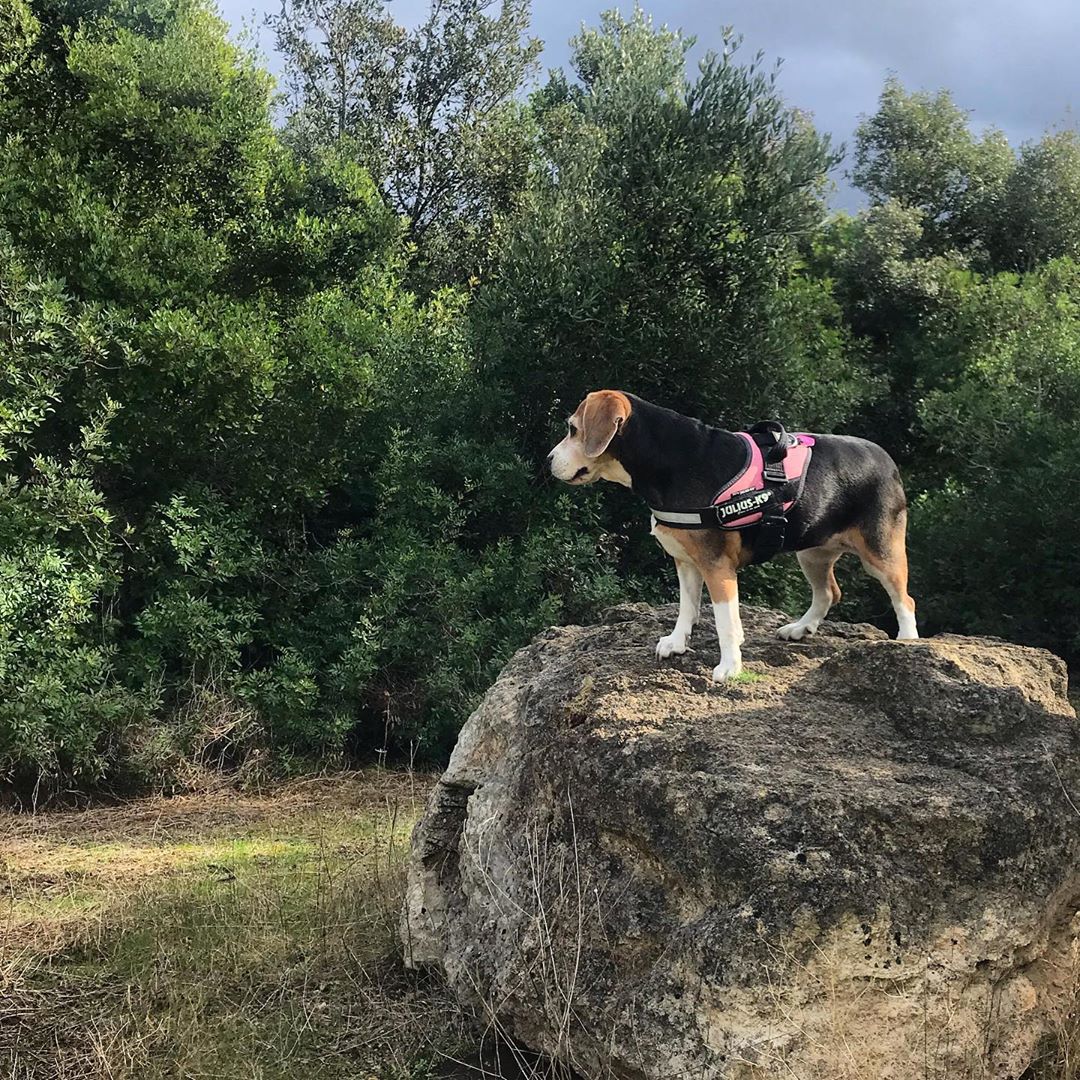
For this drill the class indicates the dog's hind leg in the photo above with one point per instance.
(817, 566)
(885, 558)
(690, 581)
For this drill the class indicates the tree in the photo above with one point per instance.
(1042, 204)
(918, 149)
(431, 112)
(18, 29)
(121, 165)
(1007, 454)
(656, 247)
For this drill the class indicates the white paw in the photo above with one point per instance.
(727, 669)
(796, 631)
(670, 645)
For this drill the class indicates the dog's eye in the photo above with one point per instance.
(572, 428)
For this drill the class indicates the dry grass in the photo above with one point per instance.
(1061, 1057)
(219, 937)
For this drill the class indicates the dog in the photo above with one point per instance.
(850, 500)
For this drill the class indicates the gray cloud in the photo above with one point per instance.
(1014, 66)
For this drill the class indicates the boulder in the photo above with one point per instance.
(861, 859)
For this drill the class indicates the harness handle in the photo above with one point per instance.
(774, 440)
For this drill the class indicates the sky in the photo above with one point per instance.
(1013, 65)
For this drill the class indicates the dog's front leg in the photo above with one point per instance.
(690, 580)
(724, 592)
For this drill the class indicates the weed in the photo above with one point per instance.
(746, 676)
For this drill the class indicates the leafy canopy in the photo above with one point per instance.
(431, 112)
(656, 247)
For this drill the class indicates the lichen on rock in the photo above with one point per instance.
(862, 862)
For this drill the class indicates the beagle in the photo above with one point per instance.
(850, 499)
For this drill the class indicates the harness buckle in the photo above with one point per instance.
(773, 471)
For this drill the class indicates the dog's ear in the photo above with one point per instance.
(605, 412)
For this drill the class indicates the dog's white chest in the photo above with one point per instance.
(669, 542)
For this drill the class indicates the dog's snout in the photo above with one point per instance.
(550, 457)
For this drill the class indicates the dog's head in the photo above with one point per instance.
(585, 456)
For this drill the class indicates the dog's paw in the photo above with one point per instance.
(727, 669)
(670, 646)
(796, 631)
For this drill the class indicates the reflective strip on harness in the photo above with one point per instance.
(673, 518)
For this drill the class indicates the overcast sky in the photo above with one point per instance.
(1014, 65)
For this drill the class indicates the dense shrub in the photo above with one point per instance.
(62, 709)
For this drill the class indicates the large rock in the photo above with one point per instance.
(860, 861)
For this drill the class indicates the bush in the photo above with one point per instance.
(63, 711)
(992, 534)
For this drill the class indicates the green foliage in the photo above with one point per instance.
(430, 112)
(255, 494)
(655, 248)
(61, 708)
(134, 142)
(993, 535)
(18, 29)
(918, 150)
(975, 198)
(888, 289)
(1042, 215)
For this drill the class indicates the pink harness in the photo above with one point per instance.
(747, 485)
(760, 494)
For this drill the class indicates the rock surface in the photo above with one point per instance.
(860, 861)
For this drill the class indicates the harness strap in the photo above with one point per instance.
(709, 517)
(774, 442)
(771, 529)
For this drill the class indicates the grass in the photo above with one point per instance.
(746, 676)
(223, 936)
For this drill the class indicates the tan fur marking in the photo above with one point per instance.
(834, 588)
(721, 582)
(600, 416)
(893, 566)
(705, 548)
